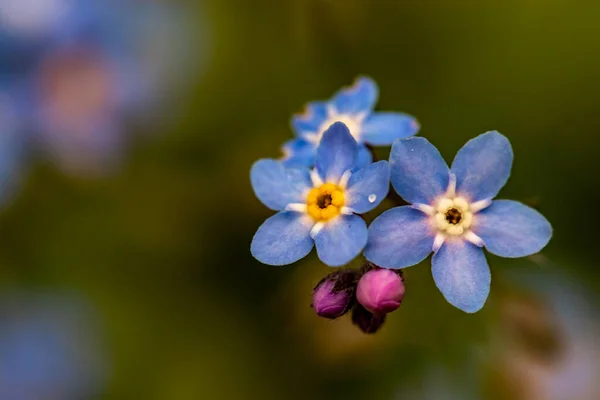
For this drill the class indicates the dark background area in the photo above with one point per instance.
(159, 249)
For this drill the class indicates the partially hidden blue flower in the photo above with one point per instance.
(319, 206)
(453, 215)
(354, 107)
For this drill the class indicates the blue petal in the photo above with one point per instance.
(382, 128)
(418, 172)
(283, 239)
(368, 187)
(341, 240)
(312, 118)
(337, 153)
(360, 97)
(364, 157)
(277, 186)
(299, 153)
(398, 238)
(511, 229)
(462, 274)
(482, 166)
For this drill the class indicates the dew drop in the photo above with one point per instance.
(372, 198)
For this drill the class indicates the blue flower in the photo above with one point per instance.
(452, 214)
(318, 207)
(354, 107)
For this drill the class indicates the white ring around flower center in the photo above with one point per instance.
(453, 216)
(352, 121)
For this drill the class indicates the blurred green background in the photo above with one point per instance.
(161, 248)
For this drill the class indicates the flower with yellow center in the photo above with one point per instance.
(318, 207)
(325, 202)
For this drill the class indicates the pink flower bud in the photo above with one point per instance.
(380, 291)
(334, 295)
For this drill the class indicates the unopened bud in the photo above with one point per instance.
(365, 320)
(334, 295)
(380, 291)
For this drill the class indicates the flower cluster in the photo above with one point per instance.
(371, 294)
(327, 179)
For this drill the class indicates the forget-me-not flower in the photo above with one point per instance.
(318, 207)
(354, 107)
(452, 214)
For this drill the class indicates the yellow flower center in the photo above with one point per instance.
(325, 202)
